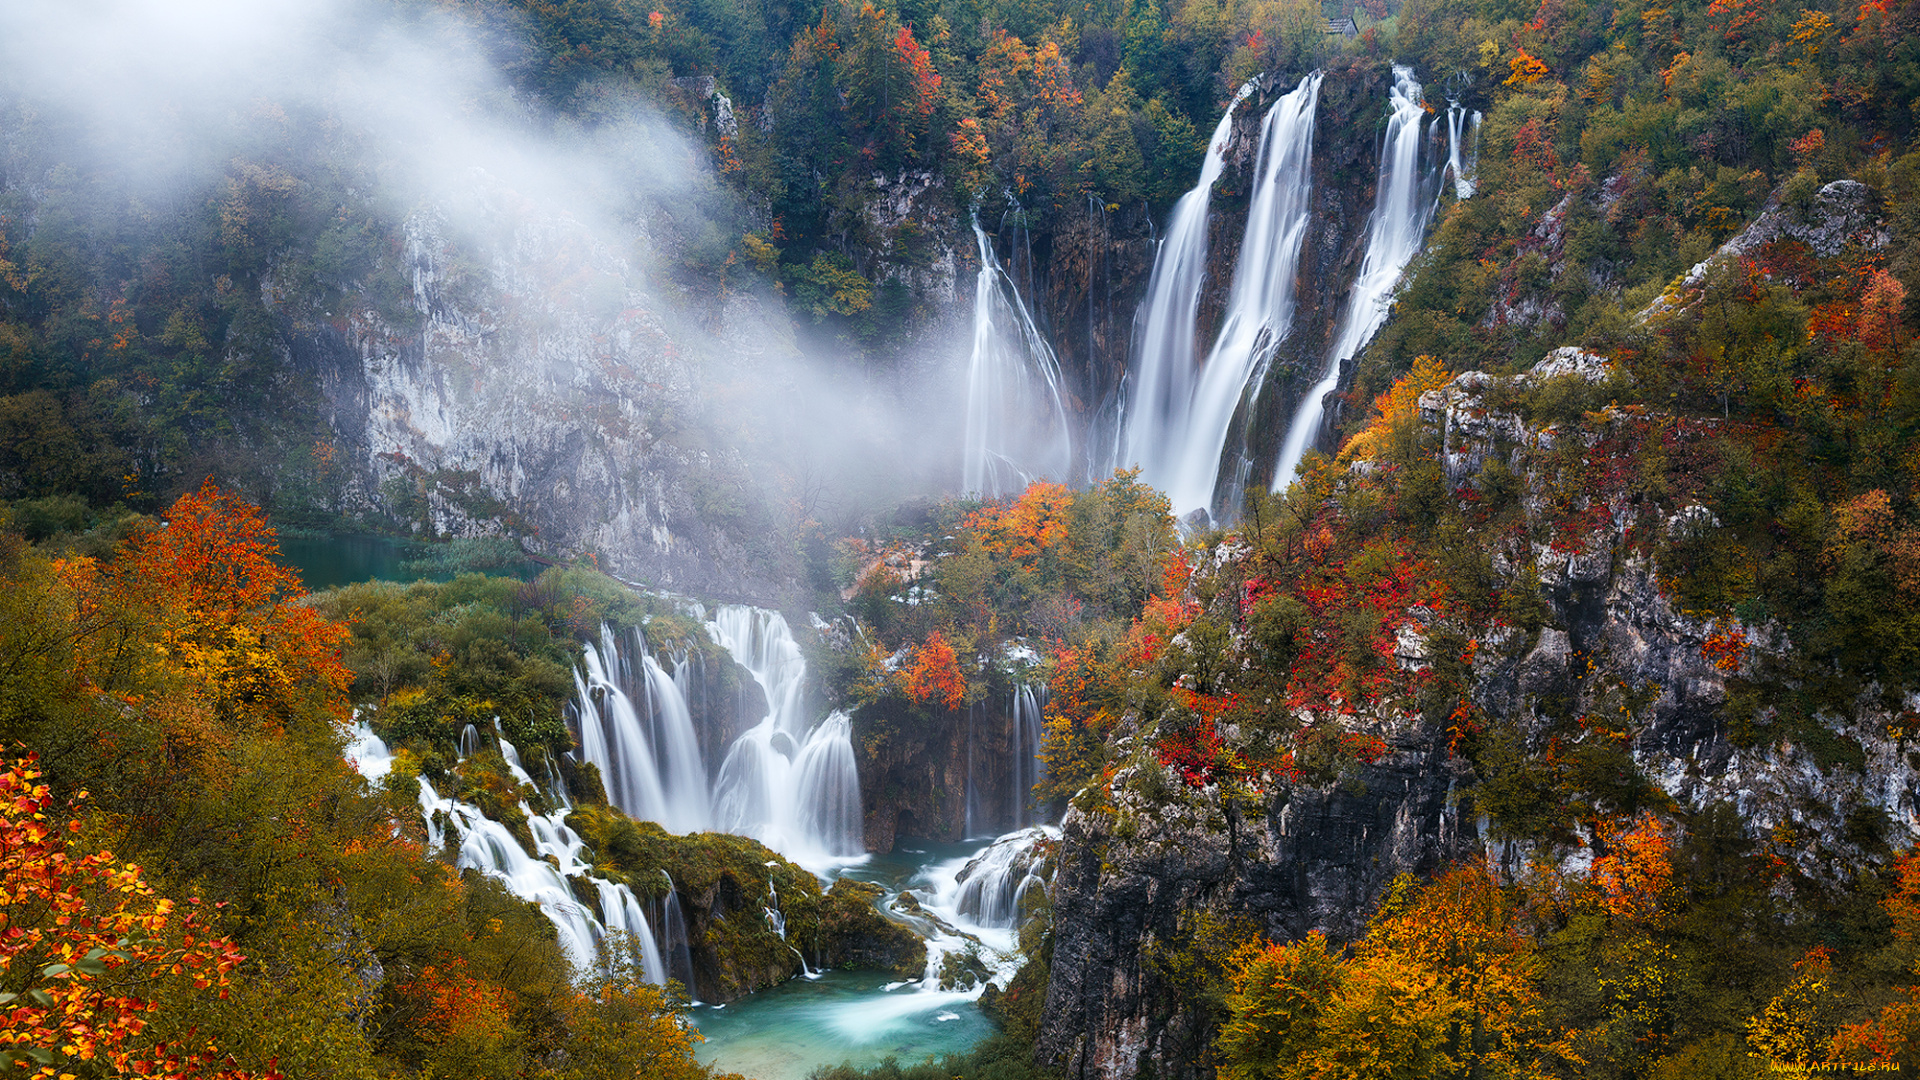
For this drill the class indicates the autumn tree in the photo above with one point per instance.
(88, 951)
(934, 674)
(1444, 983)
(200, 622)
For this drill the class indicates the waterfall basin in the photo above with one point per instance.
(863, 1017)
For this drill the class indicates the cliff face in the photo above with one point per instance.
(1137, 882)
(543, 380)
(942, 775)
(1137, 879)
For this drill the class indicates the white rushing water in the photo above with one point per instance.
(984, 894)
(787, 782)
(642, 737)
(1017, 429)
(1402, 204)
(1165, 352)
(1259, 310)
(486, 845)
(1029, 709)
(1463, 148)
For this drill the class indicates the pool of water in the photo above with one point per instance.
(325, 562)
(328, 561)
(843, 1016)
(859, 1018)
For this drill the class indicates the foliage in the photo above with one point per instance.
(935, 674)
(1445, 983)
(84, 942)
(188, 686)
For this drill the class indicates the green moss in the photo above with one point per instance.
(726, 884)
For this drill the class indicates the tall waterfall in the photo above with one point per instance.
(1164, 346)
(1402, 204)
(1463, 148)
(1259, 310)
(788, 783)
(1016, 416)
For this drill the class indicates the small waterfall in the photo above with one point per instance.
(1028, 705)
(1016, 416)
(1463, 148)
(1259, 310)
(487, 846)
(648, 755)
(1402, 204)
(793, 787)
(624, 915)
(988, 890)
(367, 752)
(673, 927)
(1162, 373)
(973, 790)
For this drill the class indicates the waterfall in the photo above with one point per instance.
(792, 786)
(487, 846)
(673, 928)
(624, 916)
(788, 783)
(988, 890)
(1259, 309)
(1162, 373)
(1402, 204)
(972, 796)
(647, 754)
(1463, 148)
(1016, 416)
(1029, 703)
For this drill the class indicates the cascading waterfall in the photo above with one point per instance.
(647, 753)
(487, 846)
(987, 891)
(1402, 204)
(1463, 148)
(1259, 309)
(791, 785)
(1016, 415)
(1163, 371)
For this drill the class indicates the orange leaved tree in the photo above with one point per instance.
(197, 627)
(935, 674)
(88, 951)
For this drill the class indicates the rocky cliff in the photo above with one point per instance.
(543, 380)
(1147, 875)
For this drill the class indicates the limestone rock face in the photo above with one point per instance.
(1842, 214)
(543, 380)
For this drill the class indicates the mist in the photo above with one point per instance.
(546, 253)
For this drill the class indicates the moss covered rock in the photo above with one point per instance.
(752, 916)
